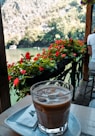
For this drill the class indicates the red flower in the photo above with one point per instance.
(81, 43)
(63, 55)
(50, 47)
(36, 58)
(38, 55)
(58, 41)
(41, 68)
(27, 56)
(57, 53)
(44, 57)
(74, 54)
(43, 51)
(23, 72)
(9, 65)
(21, 60)
(57, 47)
(62, 47)
(9, 78)
(16, 81)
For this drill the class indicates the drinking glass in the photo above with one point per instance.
(52, 100)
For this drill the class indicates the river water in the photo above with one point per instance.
(13, 55)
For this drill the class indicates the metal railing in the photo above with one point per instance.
(68, 70)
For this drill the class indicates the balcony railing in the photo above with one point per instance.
(69, 71)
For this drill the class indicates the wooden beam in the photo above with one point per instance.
(87, 32)
(88, 20)
(4, 85)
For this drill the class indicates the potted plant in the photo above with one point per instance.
(42, 65)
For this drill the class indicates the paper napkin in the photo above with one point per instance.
(28, 118)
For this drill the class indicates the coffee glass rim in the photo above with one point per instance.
(33, 87)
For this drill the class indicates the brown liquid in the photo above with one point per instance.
(54, 115)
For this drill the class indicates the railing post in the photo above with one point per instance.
(73, 78)
(87, 32)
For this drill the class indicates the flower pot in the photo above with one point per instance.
(47, 74)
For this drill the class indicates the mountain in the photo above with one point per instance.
(34, 18)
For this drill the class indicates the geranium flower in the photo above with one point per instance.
(27, 56)
(9, 77)
(58, 41)
(9, 65)
(28, 67)
(36, 58)
(23, 72)
(63, 55)
(38, 55)
(41, 68)
(57, 53)
(16, 82)
(21, 60)
(74, 54)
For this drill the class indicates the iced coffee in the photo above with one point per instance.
(52, 103)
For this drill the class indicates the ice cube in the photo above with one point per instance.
(42, 99)
(52, 96)
(60, 94)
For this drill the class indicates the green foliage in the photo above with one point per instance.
(77, 33)
(14, 41)
(51, 36)
(84, 2)
(31, 24)
(74, 3)
(82, 18)
(33, 66)
(25, 42)
(43, 41)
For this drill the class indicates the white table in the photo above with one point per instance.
(85, 115)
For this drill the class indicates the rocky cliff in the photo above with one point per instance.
(33, 17)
